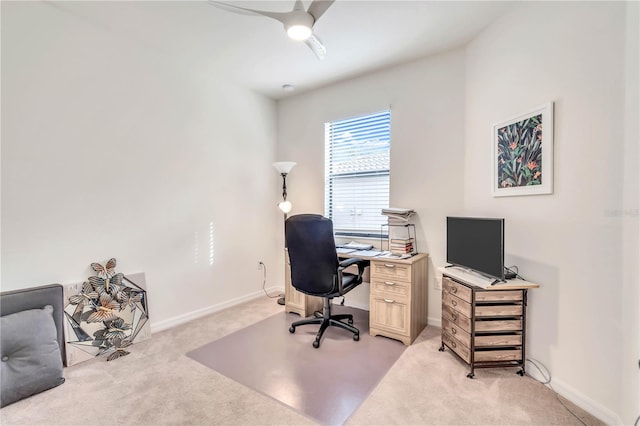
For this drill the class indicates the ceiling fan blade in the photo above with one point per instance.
(279, 16)
(316, 46)
(319, 7)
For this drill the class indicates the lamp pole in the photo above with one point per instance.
(284, 167)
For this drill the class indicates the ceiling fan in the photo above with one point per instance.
(298, 23)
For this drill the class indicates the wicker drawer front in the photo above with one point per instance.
(390, 270)
(391, 287)
(456, 332)
(498, 355)
(457, 304)
(457, 347)
(450, 286)
(501, 325)
(456, 318)
(498, 340)
(498, 311)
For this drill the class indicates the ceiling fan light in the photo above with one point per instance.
(299, 32)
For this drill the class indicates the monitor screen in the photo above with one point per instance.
(476, 244)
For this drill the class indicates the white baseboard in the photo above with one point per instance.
(159, 326)
(589, 405)
(434, 322)
(584, 402)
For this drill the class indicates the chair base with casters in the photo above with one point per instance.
(327, 320)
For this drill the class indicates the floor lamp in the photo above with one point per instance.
(284, 167)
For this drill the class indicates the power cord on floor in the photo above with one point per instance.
(547, 382)
(264, 281)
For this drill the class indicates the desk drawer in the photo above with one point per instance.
(388, 313)
(390, 287)
(390, 270)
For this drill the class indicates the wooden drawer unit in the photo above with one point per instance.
(484, 327)
(398, 297)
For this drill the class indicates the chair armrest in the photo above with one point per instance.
(348, 262)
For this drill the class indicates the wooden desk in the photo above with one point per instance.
(484, 326)
(398, 296)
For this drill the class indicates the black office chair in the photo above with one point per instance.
(316, 270)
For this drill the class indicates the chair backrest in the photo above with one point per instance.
(312, 254)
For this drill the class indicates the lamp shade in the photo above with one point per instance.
(285, 206)
(284, 166)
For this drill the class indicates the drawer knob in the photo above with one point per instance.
(454, 303)
(389, 265)
(453, 330)
(389, 300)
(453, 344)
(389, 283)
(454, 317)
(454, 290)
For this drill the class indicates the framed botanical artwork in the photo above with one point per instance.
(522, 158)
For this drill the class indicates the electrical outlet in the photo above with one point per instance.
(73, 289)
(438, 285)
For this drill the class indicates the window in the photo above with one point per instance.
(357, 173)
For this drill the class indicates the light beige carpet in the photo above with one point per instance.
(159, 385)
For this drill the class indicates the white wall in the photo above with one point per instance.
(427, 119)
(571, 242)
(630, 296)
(110, 149)
(581, 56)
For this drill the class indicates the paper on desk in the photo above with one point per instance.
(358, 246)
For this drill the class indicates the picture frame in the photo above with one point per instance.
(522, 154)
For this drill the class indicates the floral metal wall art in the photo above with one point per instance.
(523, 154)
(107, 314)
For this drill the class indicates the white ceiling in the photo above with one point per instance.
(360, 36)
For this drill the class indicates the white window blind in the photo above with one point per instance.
(357, 173)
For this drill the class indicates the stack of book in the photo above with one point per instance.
(398, 216)
(401, 245)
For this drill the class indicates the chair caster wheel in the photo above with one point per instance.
(470, 375)
(292, 329)
(521, 372)
(356, 337)
(316, 344)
